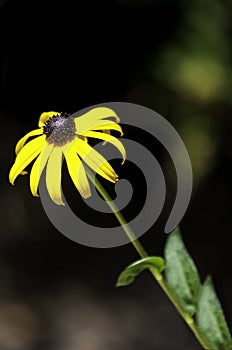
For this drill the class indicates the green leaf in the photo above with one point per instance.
(210, 319)
(128, 275)
(181, 273)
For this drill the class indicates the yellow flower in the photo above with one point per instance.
(61, 135)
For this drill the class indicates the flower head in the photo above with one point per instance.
(60, 134)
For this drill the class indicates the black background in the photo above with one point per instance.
(54, 293)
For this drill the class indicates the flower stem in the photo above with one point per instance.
(142, 253)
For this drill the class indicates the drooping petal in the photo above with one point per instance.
(29, 152)
(95, 160)
(38, 167)
(108, 127)
(83, 127)
(108, 138)
(53, 175)
(24, 139)
(97, 114)
(45, 116)
(77, 172)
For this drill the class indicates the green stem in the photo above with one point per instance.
(142, 253)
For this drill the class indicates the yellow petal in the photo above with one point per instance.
(95, 160)
(108, 127)
(38, 167)
(84, 126)
(45, 116)
(111, 139)
(29, 152)
(53, 175)
(77, 172)
(99, 113)
(23, 140)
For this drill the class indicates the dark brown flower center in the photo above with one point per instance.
(59, 129)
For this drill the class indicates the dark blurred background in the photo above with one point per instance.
(171, 56)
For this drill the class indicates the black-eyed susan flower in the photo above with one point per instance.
(60, 135)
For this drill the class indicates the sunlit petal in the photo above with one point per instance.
(97, 114)
(38, 167)
(45, 116)
(77, 172)
(83, 127)
(53, 175)
(24, 139)
(69, 138)
(109, 138)
(29, 152)
(95, 160)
